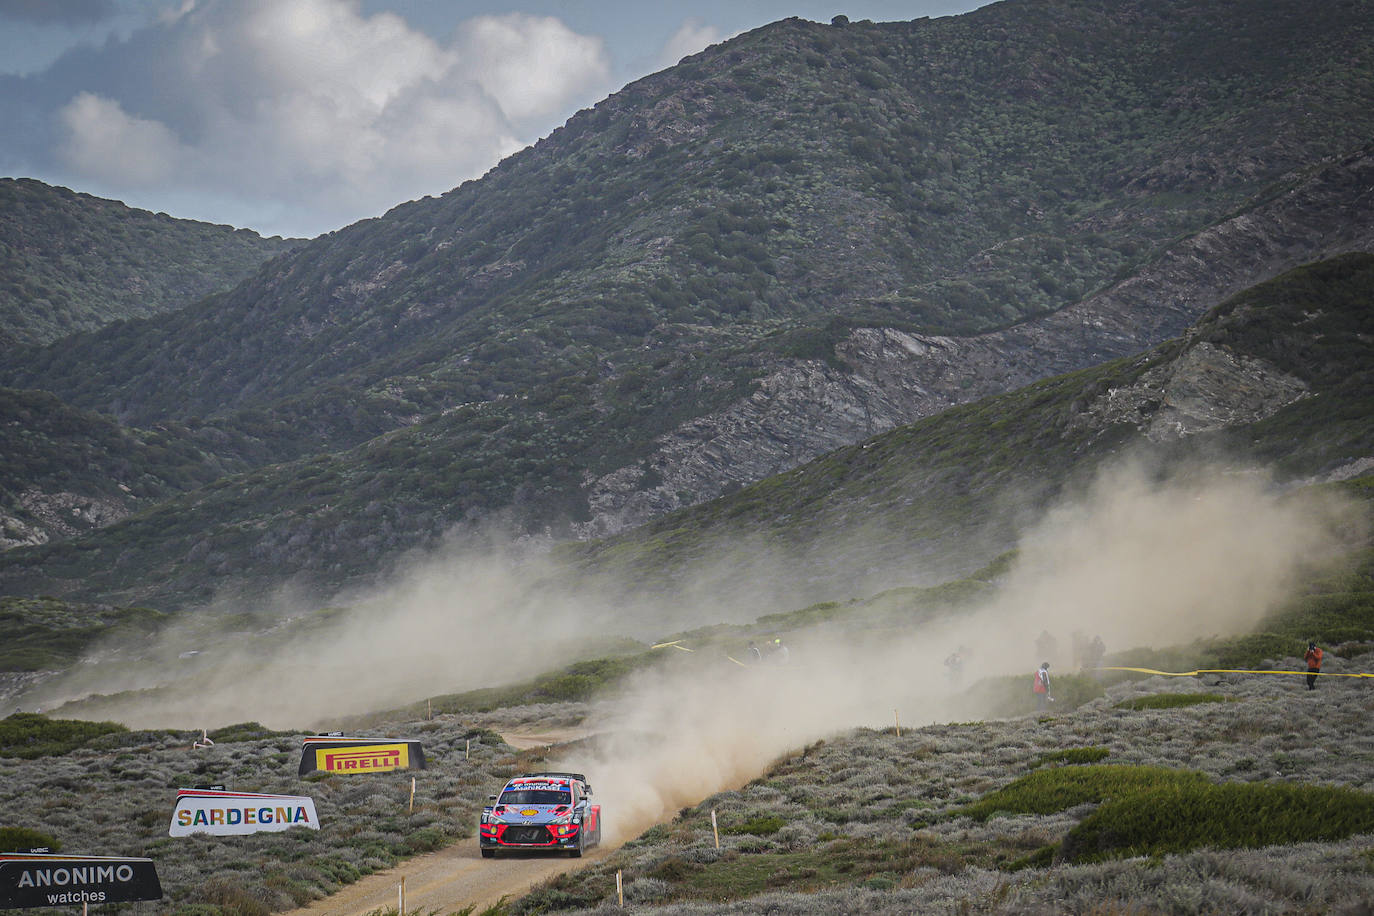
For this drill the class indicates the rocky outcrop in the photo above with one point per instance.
(805, 409)
(57, 515)
(1205, 389)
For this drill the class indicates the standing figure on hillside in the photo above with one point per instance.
(780, 653)
(753, 653)
(954, 666)
(1314, 664)
(1041, 687)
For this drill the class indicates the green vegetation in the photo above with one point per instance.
(1157, 811)
(22, 839)
(1171, 700)
(29, 735)
(45, 633)
(493, 350)
(73, 262)
(1075, 755)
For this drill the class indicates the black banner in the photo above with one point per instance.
(335, 754)
(48, 880)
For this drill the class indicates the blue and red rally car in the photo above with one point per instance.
(541, 811)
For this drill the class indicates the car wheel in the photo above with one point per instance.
(488, 853)
(576, 851)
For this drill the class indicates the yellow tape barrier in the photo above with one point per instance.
(1233, 671)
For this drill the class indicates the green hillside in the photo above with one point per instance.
(488, 353)
(943, 487)
(72, 262)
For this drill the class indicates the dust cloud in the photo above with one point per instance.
(1138, 559)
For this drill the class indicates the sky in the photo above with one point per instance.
(297, 117)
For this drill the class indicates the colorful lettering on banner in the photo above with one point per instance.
(332, 754)
(239, 813)
(34, 880)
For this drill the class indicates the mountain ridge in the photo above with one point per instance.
(552, 344)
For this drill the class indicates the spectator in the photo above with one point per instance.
(1314, 664)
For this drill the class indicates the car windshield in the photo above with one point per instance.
(535, 797)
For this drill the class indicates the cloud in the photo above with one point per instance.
(57, 12)
(106, 143)
(531, 65)
(692, 36)
(307, 112)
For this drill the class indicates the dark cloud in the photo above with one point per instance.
(57, 12)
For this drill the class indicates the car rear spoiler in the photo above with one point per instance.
(578, 776)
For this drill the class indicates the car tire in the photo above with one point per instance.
(576, 851)
(488, 853)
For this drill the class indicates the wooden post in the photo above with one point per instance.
(429, 705)
(619, 888)
(467, 748)
(412, 796)
(714, 829)
(898, 719)
(401, 897)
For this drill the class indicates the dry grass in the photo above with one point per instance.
(870, 822)
(115, 797)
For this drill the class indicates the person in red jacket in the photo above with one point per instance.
(1314, 664)
(1041, 687)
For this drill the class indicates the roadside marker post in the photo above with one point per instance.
(401, 898)
(714, 829)
(898, 719)
(619, 889)
(412, 795)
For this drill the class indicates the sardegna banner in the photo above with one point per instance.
(221, 813)
(30, 879)
(337, 754)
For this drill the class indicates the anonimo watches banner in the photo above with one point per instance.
(29, 880)
(237, 813)
(336, 754)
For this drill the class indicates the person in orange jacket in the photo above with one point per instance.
(1314, 664)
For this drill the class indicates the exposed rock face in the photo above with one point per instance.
(60, 514)
(803, 410)
(1205, 389)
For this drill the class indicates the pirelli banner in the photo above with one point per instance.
(30, 880)
(335, 754)
(238, 813)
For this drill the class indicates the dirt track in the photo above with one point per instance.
(447, 881)
(456, 876)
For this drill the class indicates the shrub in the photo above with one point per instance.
(30, 735)
(756, 826)
(1074, 755)
(1188, 815)
(22, 839)
(1172, 700)
(1059, 788)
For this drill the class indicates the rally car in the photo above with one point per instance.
(549, 811)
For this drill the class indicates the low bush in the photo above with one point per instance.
(1172, 700)
(1186, 815)
(22, 839)
(1056, 789)
(1075, 755)
(757, 826)
(30, 735)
